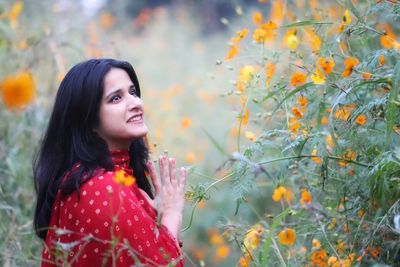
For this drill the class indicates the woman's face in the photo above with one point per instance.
(121, 117)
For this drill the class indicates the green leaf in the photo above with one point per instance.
(295, 91)
(304, 23)
(392, 103)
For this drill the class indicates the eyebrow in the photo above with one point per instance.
(119, 90)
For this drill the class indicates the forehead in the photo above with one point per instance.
(116, 79)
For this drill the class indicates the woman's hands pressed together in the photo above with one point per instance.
(169, 188)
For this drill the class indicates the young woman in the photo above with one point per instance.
(95, 205)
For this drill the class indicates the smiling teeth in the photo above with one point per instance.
(136, 118)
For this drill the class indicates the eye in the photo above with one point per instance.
(115, 98)
(132, 91)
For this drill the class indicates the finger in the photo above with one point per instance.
(155, 178)
(182, 176)
(165, 170)
(172, 172)
(161, 168)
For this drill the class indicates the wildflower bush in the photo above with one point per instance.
(305, 170)
(315, 172)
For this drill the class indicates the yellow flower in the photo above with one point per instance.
(291, 40)
(252, 238)
(287, 237)
(18, 90)
(361, 120)
(313, 40)
(306, 197)
(250, 135)
(298, 79)
(297, 113)
(318, 77)
(16, 10)
(265, 32)
(349, 64)
(246, 74)
(332, 224)
(121, 177)
(327, 64)
(346, 17)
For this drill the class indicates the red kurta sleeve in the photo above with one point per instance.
(110, 224)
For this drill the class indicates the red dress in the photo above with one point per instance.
(111, 225)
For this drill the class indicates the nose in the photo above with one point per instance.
(134, 102)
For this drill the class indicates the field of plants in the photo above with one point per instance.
(288, 118)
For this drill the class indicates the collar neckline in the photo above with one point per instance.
(120, 158)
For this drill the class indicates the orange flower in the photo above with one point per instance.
(239, 36)
(269, 72)
(297, 113)
(298, 79)
(313, 40)
(250, 135)
(381, 60)
(277, 11)
(316, 243)
(121, 177)
(388, 39)
(314, 156)
(245, 116)
(349, 64)
(366, 75)
(324, 120)
(341, 247)
(318, 257)
(294, 125)
(287, 237)
(349, 155)
(306, 197)
(186, 122)
(361, 120)
(190, 157)
(266, 31)
(327, 64)
(222, 252)
(257, 17)
(343, 113)
(233, 51)
(16, 10)
(107, 20)
(279, 193)
(302, 101)
(18, 90)
(215, 237)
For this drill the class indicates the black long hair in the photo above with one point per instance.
(69, 138)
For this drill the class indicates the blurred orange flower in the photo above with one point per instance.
(233, 51)
(277, 11)
(252, 238)
(266, 31)
(349, 64)
(298, 79)
(107, 20)
(314, 157)
(257, 18)
(186, 122)
(221, 253)
(361, 120)
(318, 257)
(343, 113)
(302, 100)
(16, 10)
(18, 90)
(287, 237)
(388, 39)
(269, 72)
(294, 125)
(381, 60)
(215, 237)
(316, 243)
(313, 40)
(297, 113)
(349, 155)
(190, 157)
(327, 64)
(366, 75)
(121, 177)
(305, 197)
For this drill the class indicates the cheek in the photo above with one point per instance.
(109, 119)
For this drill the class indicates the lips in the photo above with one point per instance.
(136, 118)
